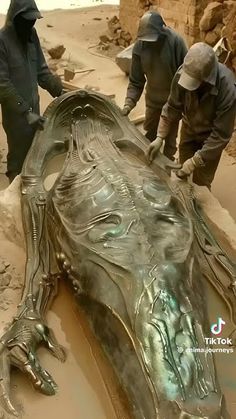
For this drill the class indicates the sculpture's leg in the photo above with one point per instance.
(28, 330)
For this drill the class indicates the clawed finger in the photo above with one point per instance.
(51, 343)
(5, 401)
(39, 377)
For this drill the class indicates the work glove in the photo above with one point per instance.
(35, 120)
(154, 148)
(126, 110)
(128, 106)
(190, 165)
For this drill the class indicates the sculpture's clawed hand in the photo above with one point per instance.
(18, 349)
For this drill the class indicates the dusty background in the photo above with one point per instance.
(82, 392)
(205, 20)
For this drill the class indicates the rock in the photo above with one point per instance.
(229, 11)
(212, 37)
(229, 20)
(97, 18)
(126, 36)
(49, 26)
(213, 14)
(17, 281)
(56, 52)
(4, 305)
(234, 64)
(105, 38)
(10, 213)
(2, 268)
(116, 27)
(124, 58)
(105, 47)
(5, 280)
(113, 24)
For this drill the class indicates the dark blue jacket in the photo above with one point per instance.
(155, 63)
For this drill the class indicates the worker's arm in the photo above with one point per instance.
(223, 124)
(180, 51)
(46, 79)
(8, 93)
(137, 78)
(170, 115)
(172, 110)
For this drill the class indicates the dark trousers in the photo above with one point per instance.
(202, 176)
(151, 122)
(19, 139)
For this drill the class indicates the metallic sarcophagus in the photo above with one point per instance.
(132, 245)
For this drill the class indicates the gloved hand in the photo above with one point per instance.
(190, 165)
(35, 120)
(128, 106)
(154, 148)
(126, 110)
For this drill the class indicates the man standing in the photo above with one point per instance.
(203, 95)
(157, 54)
(22, 69)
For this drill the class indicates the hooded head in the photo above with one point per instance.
(198, 67)
(150, 27)
(27, 8)
(23, 15)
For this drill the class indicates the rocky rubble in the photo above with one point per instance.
(195, 20)
(56, 52)
(12, 252)
(218, 20)
(115, 35)
(10, 281)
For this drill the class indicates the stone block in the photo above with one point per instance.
(213, 14)
(212, 37)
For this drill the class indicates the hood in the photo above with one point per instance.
(20, 6)
(150, 27)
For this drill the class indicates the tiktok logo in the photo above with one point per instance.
(217, 327)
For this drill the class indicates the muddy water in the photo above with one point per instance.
(82, 394)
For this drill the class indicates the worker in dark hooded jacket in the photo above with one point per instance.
(22, 69)
(157, 54)
(203, 95)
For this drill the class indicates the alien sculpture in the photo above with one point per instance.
(134, 247)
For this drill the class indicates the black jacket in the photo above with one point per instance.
(155, 63)
(22, 69)
(207, 118)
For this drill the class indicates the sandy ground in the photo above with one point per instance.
(85, 394)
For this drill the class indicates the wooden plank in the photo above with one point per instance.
(138, 119)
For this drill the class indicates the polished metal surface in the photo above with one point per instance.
(134, 247)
